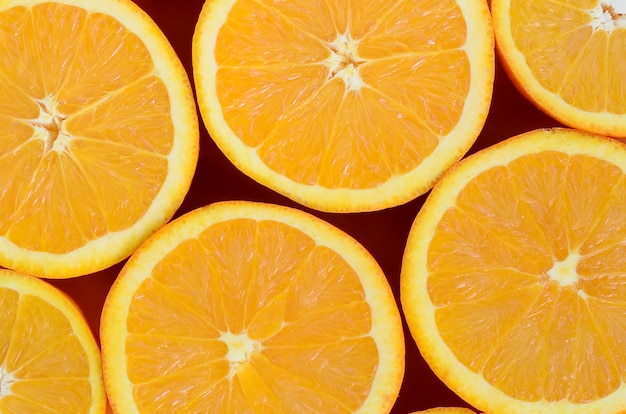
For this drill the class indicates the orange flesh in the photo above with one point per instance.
(86, 127)
(529, 334)
(43, 367)
(301, 304)
(585, 66)
(280, 95)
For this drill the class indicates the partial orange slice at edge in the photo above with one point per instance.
(513, 275)
(49, 359)
(99, 134)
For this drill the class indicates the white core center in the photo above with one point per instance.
(6, 379)
(564, 272)
(608, 15)
(240, 347)
(344, 62)
(49, 126)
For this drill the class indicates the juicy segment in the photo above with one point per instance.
(251, 311)
(541, 298)
(74, 150)
(307, 107)
(43, 366)
(574, 49)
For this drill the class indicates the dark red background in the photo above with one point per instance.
(383, 233)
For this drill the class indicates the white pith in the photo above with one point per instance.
(344, 61)
(609, 15)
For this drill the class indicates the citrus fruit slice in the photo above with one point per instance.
(340, 105)
(248, 307)
(98, 134)
(568, 58)
(49, 359)
(513, 276)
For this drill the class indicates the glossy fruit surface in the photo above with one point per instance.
(344, 106)
(99, 134)
(512, 282)
(49, 360)
(569, 58)
(240, 307)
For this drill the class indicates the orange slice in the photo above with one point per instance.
(568, 58)
(49, 359)
(344, 105)
(513, 279)
(247, 307)
(98, 134)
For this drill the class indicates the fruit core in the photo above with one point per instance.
(240, 348)
(564, 272)
(609, 15)
(6, 380)
(344, 61)
(49, 126)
